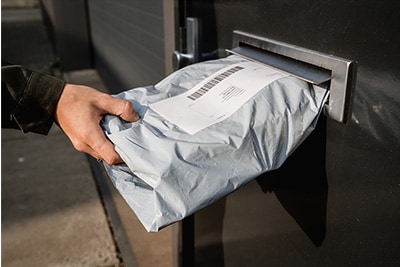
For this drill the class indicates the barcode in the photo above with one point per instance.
(205, 88)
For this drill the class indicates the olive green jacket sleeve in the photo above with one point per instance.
(28, 99)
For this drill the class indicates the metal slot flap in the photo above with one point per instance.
(336, 74)
(299, 69)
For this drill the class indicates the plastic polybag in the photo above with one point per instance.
(169, 173)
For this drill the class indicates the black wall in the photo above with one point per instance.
(128, 42)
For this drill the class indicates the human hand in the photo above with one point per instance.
(79, 112)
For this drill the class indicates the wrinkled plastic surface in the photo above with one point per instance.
(170, 174)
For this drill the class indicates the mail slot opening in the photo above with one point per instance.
(324, 70)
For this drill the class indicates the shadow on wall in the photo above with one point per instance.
(301, 186)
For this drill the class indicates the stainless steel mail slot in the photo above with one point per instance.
(328, 71)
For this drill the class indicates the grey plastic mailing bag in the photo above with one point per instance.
(205, 131)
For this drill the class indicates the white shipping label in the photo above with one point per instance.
(217, 97)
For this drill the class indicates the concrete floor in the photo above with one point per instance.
(52, 211)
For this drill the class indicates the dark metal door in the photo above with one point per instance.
(336, 201)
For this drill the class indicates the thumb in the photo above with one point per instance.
(122, 108)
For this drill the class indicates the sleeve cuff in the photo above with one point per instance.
(35, 109)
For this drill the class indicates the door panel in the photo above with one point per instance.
(336, 200)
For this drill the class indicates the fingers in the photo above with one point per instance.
(79, 112)
(99, 147)
(107, 152)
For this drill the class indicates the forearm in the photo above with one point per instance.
(29, 99)
(32, 102)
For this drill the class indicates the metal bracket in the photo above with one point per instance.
(328, 71)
